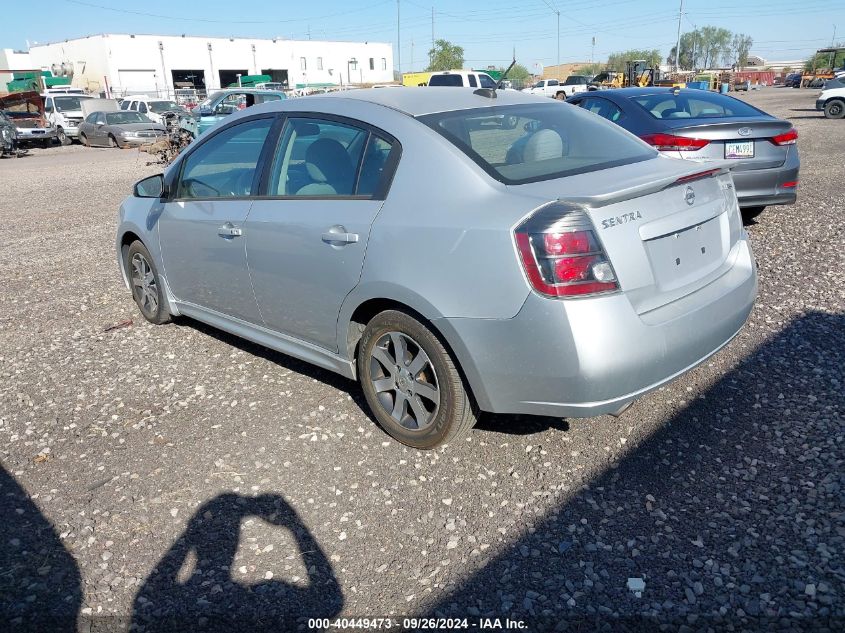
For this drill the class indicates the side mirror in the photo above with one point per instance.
(152, 187)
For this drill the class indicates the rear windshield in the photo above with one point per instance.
(532, 142)
(446, 80)
(698, 104)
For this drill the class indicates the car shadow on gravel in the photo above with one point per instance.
(192, 588)
(732, 513)
(487, 422)
(40, 585)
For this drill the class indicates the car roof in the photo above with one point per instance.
(417, 101)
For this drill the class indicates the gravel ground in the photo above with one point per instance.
(177, 471)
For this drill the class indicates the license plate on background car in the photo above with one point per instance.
(739, 149)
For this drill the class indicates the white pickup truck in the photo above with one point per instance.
(556, 90)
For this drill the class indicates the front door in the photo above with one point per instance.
(202, 227)
(306, 240)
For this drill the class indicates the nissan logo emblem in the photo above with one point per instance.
(744, 131)
(689, 196)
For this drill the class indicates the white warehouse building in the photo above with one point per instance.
(158, 64)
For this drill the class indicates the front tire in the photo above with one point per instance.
(64, 139)
(84, 139)
(411, 383)
(146, 284)
(834, 109)
(112, 141)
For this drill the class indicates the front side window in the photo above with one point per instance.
(231, 103)
(142, 107)
(532, 142)
(224, 166)
(327, 159)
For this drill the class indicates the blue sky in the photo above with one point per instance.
(489, 30)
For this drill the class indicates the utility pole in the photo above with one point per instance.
(678, 45)
(430, 55)
(557, 13)
(412, 54)
(398, 42)
(593, 50)
(832, 57)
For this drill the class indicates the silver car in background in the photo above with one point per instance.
(119, 129)
(453, 250)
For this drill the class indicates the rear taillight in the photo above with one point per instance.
(561, 255)
(665, 142)
(787, 138)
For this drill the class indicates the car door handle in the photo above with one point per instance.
(229, 230)
(332, 237)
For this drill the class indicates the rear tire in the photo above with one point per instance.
(749, 213)
(146, 284)
(411, 383)
(834, 109)
(560, 96)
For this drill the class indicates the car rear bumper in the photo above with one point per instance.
(26, 135)
(761, 187)
(581, 358)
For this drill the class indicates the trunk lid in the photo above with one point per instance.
(745, 142)
(668, 227)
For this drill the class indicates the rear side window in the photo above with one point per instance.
(686, 105)
(604, 108)
(486, 81)
(472, 82)
(532, 142)
(224, 166)
(446, 80)
(266, 98)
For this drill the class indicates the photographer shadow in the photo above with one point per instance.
(192, 588)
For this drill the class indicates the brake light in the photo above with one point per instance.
(665, 142)
(697, 176)
(561, 255)
(787, 138)
(790, 184)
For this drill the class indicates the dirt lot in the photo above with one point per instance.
(176, 471)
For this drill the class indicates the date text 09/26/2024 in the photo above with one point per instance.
(416, 624)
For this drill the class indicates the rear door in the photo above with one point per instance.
(306, 239)
(201, 228)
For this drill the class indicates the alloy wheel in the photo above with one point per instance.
(404, 380)
(144, 284)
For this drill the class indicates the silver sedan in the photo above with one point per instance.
(119, 129)
(455, 251)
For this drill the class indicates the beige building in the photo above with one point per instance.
(562, 71)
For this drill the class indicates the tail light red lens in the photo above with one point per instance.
(787, 138)
(665, 142)
(561, 255)
(789, 184)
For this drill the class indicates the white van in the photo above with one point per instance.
(461, 78)
(64, 112)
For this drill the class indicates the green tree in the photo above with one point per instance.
(445, 56)
(740, 47)
(616, 61)
(708, 47)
